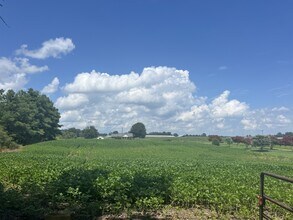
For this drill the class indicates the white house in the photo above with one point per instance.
(122, 136)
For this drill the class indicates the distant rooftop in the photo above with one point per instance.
(122, 135)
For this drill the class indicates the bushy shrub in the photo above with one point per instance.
(216, 142)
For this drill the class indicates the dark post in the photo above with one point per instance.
(261, 198)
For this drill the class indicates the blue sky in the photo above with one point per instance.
(238, 55)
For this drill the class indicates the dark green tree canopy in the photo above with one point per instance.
(28, 116)
(138, 130)
(71, 133)
(90, 132)
(5, 140)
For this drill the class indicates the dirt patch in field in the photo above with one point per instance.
(172, 214)
(10, 150)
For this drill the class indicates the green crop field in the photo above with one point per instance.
(88, 178)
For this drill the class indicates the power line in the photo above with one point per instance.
(2, 19)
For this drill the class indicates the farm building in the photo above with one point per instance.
(122, 136)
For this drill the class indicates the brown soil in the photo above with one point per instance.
(11, 150)
(172, 213)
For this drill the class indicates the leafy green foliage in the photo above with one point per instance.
(216, 142)
(28, 117)
(70, 133)
(160, 133)
(88, 178)
(138, 130)
(261, 141)
(215, 139)
(6, 141)
(229, 141)
(238, 139)
(90, 132)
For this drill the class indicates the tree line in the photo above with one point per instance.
(27, 117)
(88, 132)
(261, 141)
(138, 130)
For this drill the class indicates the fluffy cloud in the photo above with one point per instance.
(249, 124)
(14, 72)
(281, 109)
(103, 82)
(283, 120)
(72, 101)
(268, 120)
(153, 96)
(52, 87)
(51, 48)
(221, 107)
(161, 97)
(216, 111)
(196, 113)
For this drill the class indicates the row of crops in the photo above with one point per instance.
(89, 178)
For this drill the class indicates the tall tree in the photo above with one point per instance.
(214, 137)
(28, 117)
(229, 141)
(238, 139)
(261, 141)
(287, 140)
(71, 133)
(138, 130)
(90, 132)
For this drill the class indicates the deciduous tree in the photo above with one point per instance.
(261, 141)
(238, 139)
(28, 117)
(229, 141)
(90, 132)
(138, 130)
(5, 140)
(214, 137)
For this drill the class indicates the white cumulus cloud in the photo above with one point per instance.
(283, 119)
(268, 120)
(281, 109)
(71, 101)
(164, 99)
(249, 124)
(51, 87)
(161, 97)
(51, 48)
(14, 72)
(154, 96)
(222, 107)
(196, 113)
(103, 82)
(219, 108)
